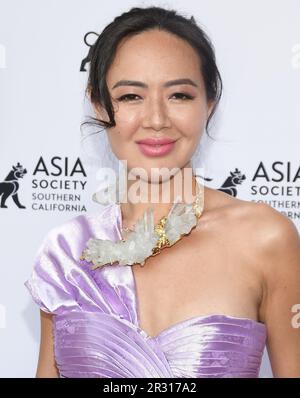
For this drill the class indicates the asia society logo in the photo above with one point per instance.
(277, 184)
(57, 184)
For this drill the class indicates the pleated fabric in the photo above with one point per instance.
(95, 324)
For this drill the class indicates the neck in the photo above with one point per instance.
(159, 195)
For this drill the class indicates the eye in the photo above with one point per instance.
(135, 97)
(128, 97)
(184, 96)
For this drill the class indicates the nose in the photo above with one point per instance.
(155, 114)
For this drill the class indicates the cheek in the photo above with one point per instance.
(122, 134)
(127, 123)
(190, 121)
(120, 139)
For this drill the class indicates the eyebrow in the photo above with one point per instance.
(144, 85)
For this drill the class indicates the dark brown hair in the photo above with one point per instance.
(135, 21)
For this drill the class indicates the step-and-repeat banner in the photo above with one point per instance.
(48, 172)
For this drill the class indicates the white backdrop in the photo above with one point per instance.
(42, 105)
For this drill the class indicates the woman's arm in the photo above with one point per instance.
(281, 268)
(46, 364)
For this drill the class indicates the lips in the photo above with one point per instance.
(156, 146)
(156, 141)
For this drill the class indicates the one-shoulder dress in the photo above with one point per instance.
(96, 328)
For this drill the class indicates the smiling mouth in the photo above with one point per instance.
(155, 150)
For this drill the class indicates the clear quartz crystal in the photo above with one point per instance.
(141, 239)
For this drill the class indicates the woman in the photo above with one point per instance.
(207, 305)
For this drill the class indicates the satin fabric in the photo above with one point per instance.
(96, 327)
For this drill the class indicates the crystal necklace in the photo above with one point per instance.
(146, 239)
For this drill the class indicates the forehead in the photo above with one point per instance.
(154, 55)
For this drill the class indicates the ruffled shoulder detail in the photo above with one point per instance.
(61, 282)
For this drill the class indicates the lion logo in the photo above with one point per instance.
(10, 186)
(229, 185)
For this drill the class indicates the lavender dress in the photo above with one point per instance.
(96, 326)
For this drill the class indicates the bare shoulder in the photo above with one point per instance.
(263, 224)
(277, 230)
(264, 232)
(279, 243)
(268, 238)
(228, 212)
(273, 233)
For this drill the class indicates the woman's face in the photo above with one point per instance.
(149, 107)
